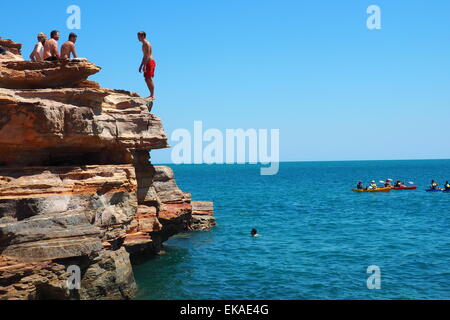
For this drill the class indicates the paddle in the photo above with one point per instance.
(393, 180)
(411, 183)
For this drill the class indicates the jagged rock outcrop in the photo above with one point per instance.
(106, 275)
(76, 184)
(202, 215)
(47, 127)
(55, 217)
(164, 210)
(62, 212)
(54, 74)
(10, 50)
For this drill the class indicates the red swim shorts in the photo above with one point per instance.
(150, 69)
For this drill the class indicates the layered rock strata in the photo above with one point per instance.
(202, 216)
(77, 188)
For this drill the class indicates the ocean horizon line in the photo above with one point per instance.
(298, 161)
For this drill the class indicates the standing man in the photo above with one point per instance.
(148, 65)
(51, 52)
(68, 47)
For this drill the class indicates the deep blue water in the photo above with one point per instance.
(317, 237)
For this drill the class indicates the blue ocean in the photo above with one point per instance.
(317, 236)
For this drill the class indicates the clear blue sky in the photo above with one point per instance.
(336, 90)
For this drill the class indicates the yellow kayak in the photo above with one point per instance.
(374, 190)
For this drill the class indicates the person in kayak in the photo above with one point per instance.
(434, 185)
(360, 186)
(388, 183)
(373, 185)
(447, 186)
(398, 184)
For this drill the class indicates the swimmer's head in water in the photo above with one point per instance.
(254, 232)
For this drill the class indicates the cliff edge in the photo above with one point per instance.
(77, 188)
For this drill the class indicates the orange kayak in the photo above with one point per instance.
(373, 190)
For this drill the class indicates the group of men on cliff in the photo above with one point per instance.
(47, 50)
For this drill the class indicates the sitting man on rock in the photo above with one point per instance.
(68, 47)
(51, 47)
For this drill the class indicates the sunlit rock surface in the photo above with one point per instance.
(77, 187)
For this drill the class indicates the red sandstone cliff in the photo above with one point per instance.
(76, 183)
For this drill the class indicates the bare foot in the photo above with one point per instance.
(151, 98)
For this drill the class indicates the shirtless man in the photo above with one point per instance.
(68, 47)
(51, 47)
(148, 65)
